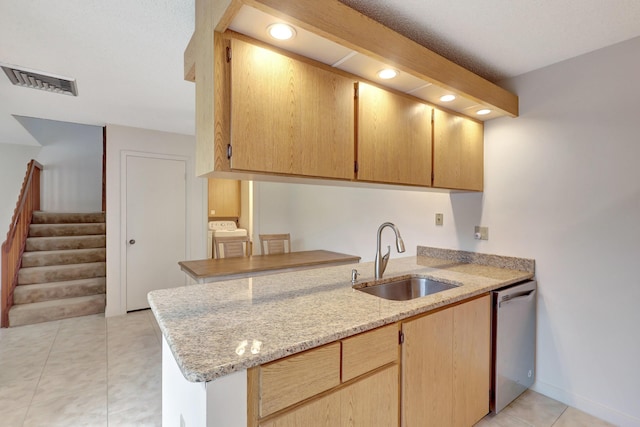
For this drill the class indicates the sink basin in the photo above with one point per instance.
(408, 288)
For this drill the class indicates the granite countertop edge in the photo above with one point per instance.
(194, 352)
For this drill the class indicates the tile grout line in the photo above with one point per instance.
(33, 395)
(560, 416)
(106, 327)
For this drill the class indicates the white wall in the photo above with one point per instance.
(346, 219)
(119, 139)
(71, 155)
(562, 185)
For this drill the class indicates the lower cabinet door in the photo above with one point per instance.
(321, 412)
(446, 358)
(471, 361)
(372, 401)
(427, 370)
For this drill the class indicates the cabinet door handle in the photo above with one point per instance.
(132, 242)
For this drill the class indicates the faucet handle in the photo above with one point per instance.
(354, 275)
(386, 256)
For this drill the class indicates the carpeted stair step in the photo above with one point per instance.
(65, 242)
(41, 217)
(59, 273)
(72, 229)
(71, 256)
(37, 312)
(25, 294)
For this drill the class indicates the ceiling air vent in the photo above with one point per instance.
(39, 80)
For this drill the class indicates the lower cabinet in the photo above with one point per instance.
(368, 402)
(446, 366)
(438, 377)
(352, 382)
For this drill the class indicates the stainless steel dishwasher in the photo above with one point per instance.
(513, 342)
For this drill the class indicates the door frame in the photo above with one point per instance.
(124, 155)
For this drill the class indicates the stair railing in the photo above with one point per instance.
(13, 247)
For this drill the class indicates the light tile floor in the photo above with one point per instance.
(532, 409)
(96, 372)
(87, 371)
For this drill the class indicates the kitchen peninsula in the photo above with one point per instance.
(224, 343)
(214, 270)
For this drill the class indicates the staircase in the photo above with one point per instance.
(63, 268)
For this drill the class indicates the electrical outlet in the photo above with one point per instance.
(212, 212)
(481, 233)
(439, 219)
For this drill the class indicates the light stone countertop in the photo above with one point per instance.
(208, 326)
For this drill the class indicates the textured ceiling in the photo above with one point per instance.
(498, 39)
(127, 55)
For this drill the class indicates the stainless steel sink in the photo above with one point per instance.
(408, 288)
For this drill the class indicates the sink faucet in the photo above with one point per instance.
(381, 260)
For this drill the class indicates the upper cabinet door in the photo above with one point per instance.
(394, 138)
(458, 152)
(288, 116)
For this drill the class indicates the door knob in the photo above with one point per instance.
(132, 242)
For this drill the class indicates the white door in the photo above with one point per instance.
(156, 226)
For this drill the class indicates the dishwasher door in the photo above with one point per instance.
(514, 343)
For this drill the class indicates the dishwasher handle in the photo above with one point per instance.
(517, 297)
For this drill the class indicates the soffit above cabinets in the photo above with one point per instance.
(253, 23)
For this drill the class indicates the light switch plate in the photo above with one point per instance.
(439, 219)
(481, 233)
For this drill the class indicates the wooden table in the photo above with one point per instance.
(214, 270)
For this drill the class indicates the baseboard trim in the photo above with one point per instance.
(586, 405)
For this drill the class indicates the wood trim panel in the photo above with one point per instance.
(339, 23)
(295, 378)
(190, 60)
(370, 350)
(204, 77)
(253, 396)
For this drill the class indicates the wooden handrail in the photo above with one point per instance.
(13, 247)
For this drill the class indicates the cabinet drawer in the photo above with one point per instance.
(291, 380)
(368, 351)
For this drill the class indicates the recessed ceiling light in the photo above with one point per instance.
(447, 98)
(281, 31)
(483, 112)
(387, 73)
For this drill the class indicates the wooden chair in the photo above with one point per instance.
(236, 246)
(271, 244)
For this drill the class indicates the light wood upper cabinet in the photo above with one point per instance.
(458, 152)
(394, 138)
(445, 366)
(288, 116)
(224, 198)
